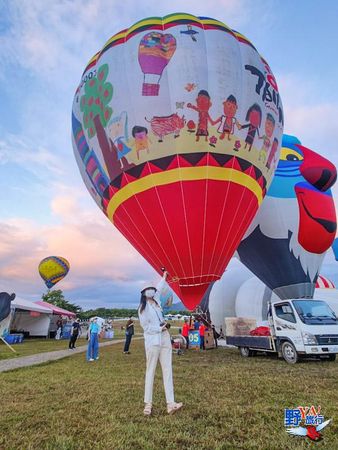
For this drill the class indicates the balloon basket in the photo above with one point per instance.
(150, 89)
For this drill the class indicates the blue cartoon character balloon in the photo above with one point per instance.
(296, 224)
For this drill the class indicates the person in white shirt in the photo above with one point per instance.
(157, 346)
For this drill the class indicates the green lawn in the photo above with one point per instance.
(33, 346)
(230, 402)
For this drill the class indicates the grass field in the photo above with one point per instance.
(33, 346)
(230, 403)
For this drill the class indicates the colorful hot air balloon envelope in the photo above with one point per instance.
(296, 224)
(176, 129)
(53, 269)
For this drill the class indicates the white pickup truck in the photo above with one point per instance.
(299, 328)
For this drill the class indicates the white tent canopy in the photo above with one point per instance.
(26, 305)
(30, 318)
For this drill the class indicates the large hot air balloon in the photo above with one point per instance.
(176, 129)
(296, 224)
(53, 269)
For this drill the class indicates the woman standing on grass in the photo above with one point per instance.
(157, 346)
(93, 340)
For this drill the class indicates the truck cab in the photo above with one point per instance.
(304, 327)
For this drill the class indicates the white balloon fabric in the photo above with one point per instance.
(253, 297)
(222, 297)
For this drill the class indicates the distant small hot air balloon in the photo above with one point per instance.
(53, 269)
(176, 124)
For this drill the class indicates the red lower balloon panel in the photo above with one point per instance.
(317, 219)
(192, 228)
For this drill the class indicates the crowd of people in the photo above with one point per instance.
(199, 325)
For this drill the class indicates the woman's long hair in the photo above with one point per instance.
(143, 303)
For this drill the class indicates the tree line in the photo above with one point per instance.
(57, 298)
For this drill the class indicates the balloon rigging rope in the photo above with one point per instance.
(221, 218)
(253, 200)
(205, 215)
(169, 231)
(184, 209)
(230, 228)
(150, 226)
(127, 232)
(248, 211)
(244, 191)
(138, 230)
(185, 217)
(207, 169)
(150, 249)
(161, 204)
(219, 262)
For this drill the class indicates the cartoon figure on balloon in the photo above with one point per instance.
(254, 116)
(203, 104)
(269, 129)
(142, 141)
(228, 119)
(272, 156)
(118, 135)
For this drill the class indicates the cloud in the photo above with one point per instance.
(307, 116)
(51, 41)
(31, 156)
(100, 257)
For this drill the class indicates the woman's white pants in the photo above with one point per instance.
(164, 354)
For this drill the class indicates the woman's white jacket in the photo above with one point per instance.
(150, 320)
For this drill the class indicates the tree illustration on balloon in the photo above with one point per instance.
(154, 53)
(96, 114)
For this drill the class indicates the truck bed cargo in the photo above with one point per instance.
(258, 342)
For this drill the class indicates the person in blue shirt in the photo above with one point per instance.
(93, 341)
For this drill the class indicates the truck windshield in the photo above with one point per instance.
(315, 312)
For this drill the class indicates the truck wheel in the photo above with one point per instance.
(245, 352)
(332, 357)
(289, 353)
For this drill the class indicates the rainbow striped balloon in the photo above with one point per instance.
(53, 269)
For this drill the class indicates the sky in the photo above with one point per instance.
(45, 208)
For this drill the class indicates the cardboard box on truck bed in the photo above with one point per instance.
(239, 326)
